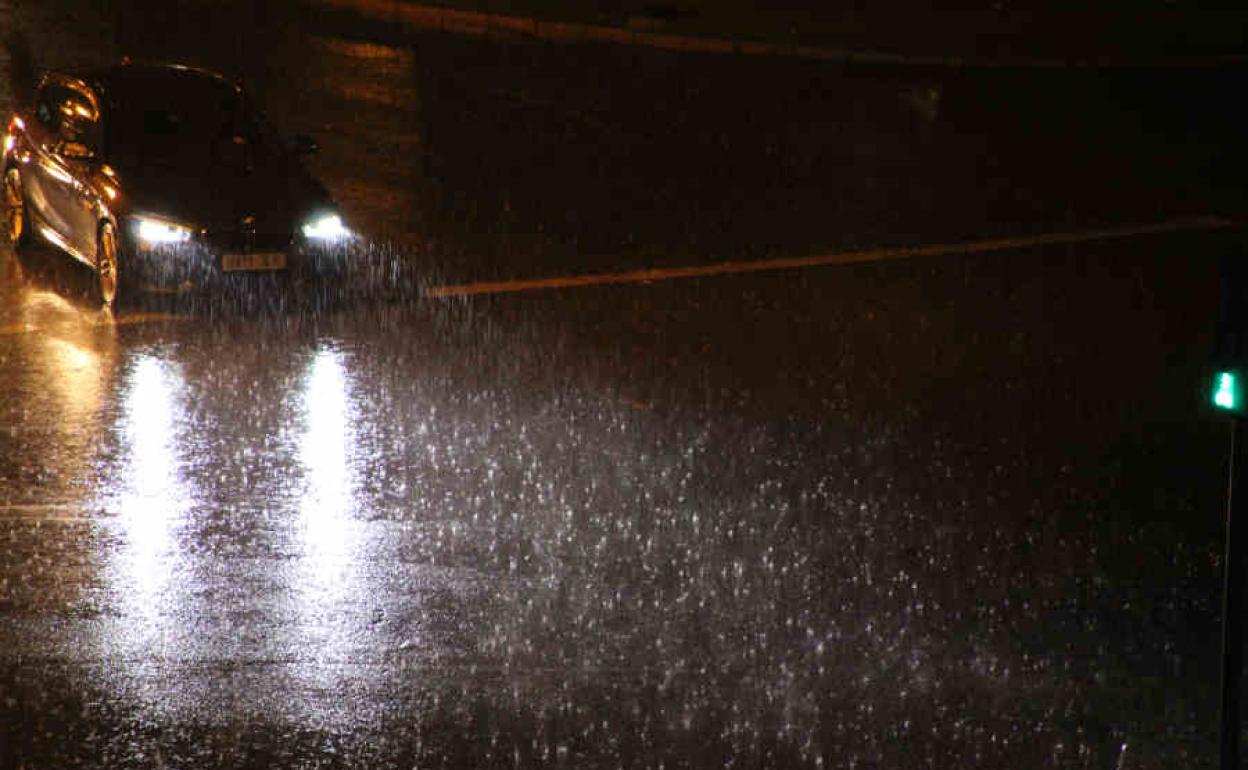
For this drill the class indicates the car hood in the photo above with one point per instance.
(277, 197)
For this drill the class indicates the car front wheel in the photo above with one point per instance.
(16, 222)
(106, 265)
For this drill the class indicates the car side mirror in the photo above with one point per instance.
(304, 145)
(76, 151)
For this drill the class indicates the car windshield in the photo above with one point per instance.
(185, 122)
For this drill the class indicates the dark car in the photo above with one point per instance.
(165, 172)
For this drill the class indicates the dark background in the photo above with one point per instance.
(959, 510)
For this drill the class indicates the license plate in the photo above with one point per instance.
(259, 260)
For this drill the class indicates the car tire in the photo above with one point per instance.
(107, 265)
(16, 213)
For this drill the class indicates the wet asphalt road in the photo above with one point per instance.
(960, 510)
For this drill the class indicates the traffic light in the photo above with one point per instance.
(1228, 392)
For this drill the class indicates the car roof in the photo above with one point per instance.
(131, 81)
(129, 72)
(131, 77)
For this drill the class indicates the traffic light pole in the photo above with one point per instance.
(1233, 600)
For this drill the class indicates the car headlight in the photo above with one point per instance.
(153, 230)
(326, 228)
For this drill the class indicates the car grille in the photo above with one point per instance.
(243, 242)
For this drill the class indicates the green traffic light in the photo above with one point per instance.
(1226, 391)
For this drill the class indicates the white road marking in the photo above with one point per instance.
(840, 258)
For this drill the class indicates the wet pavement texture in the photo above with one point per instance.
(933, 512)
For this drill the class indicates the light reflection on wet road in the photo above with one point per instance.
(328, 582)
(152, 505)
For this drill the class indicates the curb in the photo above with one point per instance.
(432, 17)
